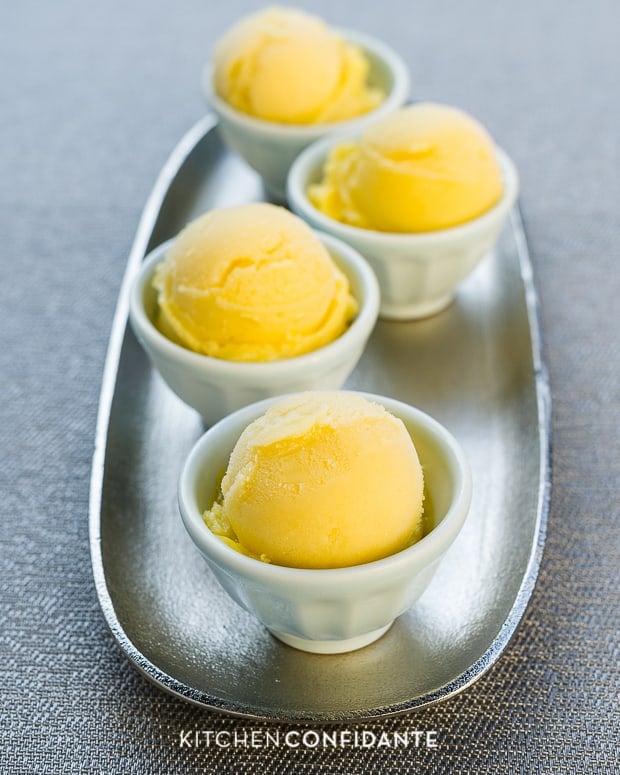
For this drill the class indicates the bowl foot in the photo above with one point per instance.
(275, 194)
(330, 646)
(415, 311)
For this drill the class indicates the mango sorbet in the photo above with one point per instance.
(287, 66)
(324, 479)
(251, 283)
(422, 168)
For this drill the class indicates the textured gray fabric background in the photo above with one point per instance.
(92, 99)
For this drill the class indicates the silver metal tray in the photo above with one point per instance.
(476, 367)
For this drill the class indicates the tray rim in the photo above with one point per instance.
(144, 232)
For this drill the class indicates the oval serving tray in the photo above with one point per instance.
(476, 367)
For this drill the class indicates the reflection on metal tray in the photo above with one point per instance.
(476, 367)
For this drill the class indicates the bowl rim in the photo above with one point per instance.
(378, 48)
(297, 181)
(344, 255)
(421, 554)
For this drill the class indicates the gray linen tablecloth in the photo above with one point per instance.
(92, 99)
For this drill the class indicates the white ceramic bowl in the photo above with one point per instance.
(270, 147)
(216, 387)
(329, 611)
(417, 273)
